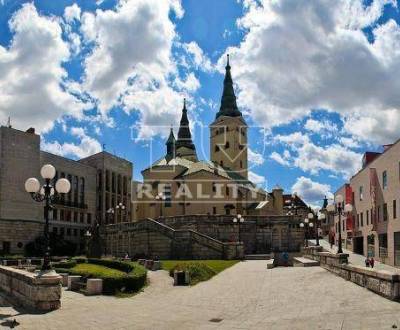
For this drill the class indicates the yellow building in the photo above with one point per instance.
(180, 184)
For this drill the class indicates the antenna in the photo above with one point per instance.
(9, 122)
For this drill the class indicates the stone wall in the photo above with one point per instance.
(155, 240)
(259, 234)
(30, 290)
(379, 281)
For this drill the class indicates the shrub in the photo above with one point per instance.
(80, 260)
(64, 264)
(198, 271)
(114, 279)
(123, 266)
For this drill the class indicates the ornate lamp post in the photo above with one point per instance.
(337, 209)
(317, 218)
(88, 235)
(118, 209)
(292, 207)
(238, 219)
(306, 225)
(45, 194)
(109, 214)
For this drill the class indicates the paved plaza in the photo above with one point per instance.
(246, 296)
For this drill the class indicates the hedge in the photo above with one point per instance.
(64, 264)
(132, 278)
(123, 266)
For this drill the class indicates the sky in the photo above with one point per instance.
(317, 80)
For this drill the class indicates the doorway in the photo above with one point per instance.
(358, 245)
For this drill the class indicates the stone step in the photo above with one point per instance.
(304, 262)
(258, 256)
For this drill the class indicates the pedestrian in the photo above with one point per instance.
(366, 262)
(331, 238)
(372, 262)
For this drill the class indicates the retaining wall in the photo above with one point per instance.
(381, 282)
(30, 290)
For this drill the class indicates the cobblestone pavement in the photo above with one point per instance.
(246, 296)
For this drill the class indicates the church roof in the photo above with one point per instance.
(228, 101)
(171, 137)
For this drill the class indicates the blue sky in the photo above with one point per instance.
(316, 80)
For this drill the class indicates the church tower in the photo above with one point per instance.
(228, 132)
(184, 145)
(171, 143)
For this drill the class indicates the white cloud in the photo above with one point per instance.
(310, 191)
(72, 13)
(309, 157)
(199, 59)
(132, 64)
(322, 127)
(87, 145)
(255, 157)
(257, 179)
(300, 55)
(280, 159)
(33, 81)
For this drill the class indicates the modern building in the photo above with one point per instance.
(21, 218)
(181, 184)
(374, 226)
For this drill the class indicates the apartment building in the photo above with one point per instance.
(373, 228)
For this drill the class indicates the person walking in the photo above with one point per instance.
(372, 262)
(331, 238)
(366, 262)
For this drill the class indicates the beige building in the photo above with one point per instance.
(180, 184)
(21, 218)
(374, 227)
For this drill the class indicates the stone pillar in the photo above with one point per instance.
(277, 193)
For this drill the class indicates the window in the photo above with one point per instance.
(107, 180)
(384, 179)
(119, 184)
(216, 148)
(81, 217)
(214, 210)
(367, 217)
(241, 146)
(54, 214)
(75, 216)
(62, 215)
(385, 215)
(214, 189)
(89, 218)
(227, 145)
(241, 164)
(394, 209)
(221, 163)
(343, 228)
(167, 194)
(113, 182)
(62, 230)
(55, 230)
(82, 192)
(227, 190)
(69, 195)
(378, 214)
(360, 190)
(362, 219)
(68, 231)
(76, 186)
(227, 210)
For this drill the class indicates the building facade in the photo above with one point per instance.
(21, 218)
(373, 229)
(180, 184)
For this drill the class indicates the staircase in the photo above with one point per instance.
(259, 256)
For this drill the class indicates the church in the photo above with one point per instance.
(181, 184)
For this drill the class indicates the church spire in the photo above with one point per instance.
(171, 145)
(228, 101)
(184, 135)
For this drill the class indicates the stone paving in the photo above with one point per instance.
(245, 296)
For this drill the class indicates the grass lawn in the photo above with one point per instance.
(96, 271)
(217, 265)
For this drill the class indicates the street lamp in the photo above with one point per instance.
(46, 194)
(238, 219)
(88, 235)
(306, 224)
(317, 218)
(160, 198)
(292, 206)
(109, 213)
(336, 209)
